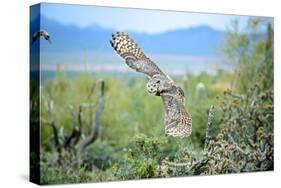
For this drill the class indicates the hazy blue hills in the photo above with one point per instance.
(198, 41)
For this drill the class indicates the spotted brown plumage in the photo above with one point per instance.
(133, 55)
(178, 122)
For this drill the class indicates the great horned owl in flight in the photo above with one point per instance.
(178, 122)
(43, 33)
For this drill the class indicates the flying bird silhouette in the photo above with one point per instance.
(178, 122)
(43, 33)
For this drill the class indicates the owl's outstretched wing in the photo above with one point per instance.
(178, 122)
(43, 33)
(133, 55)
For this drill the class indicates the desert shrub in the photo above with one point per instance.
(127, 149)
(198, 102)
(244, 144)
(250, 51)
(131, 144)
(141, 158)
(61, 175)
(135, 112)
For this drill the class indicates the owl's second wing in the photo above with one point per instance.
(35, 36)
(133, 55)
(178, 122)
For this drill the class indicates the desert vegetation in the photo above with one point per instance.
(98, 128)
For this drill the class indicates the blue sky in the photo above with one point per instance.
(137, 20)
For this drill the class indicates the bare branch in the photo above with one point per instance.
(74, 137)
(92, 91)
(80, 123)
(96, 124)
(71, 110)
(209, 127)
(55, 132)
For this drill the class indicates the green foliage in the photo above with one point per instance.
(118, 156)
(198, 106)
(34, 100)
(141, 158)
(60, 175)
(250, 53)
(131, 143)
(245, 144)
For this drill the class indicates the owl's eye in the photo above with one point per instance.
(158, 81)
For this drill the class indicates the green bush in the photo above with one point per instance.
(245, 143)
(141, 158)
(131, 142)
(61, 175)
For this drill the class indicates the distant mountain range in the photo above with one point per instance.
(196, 41)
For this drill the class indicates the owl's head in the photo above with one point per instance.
(158, 84)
